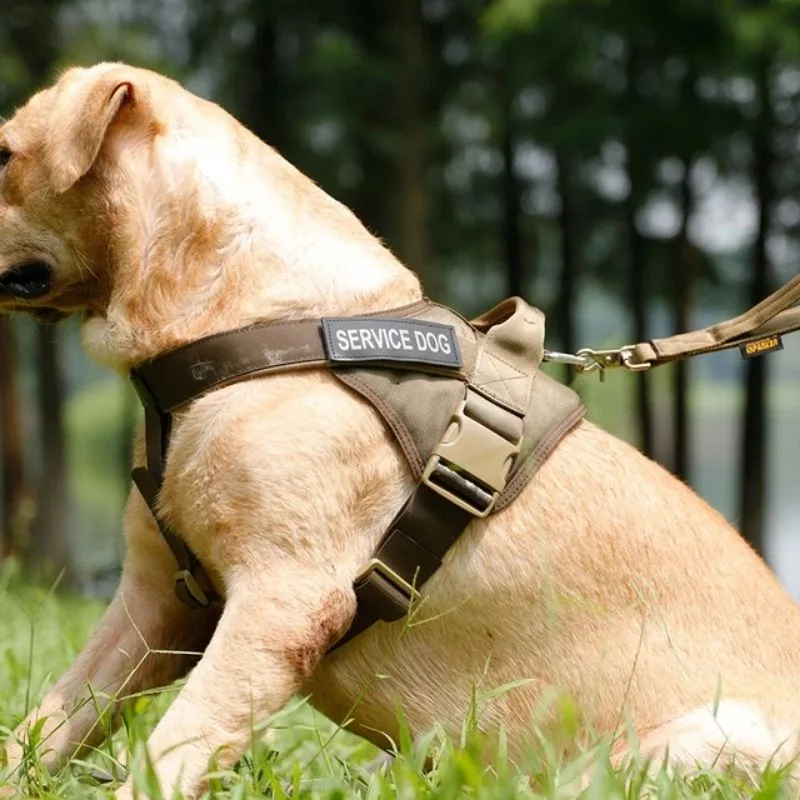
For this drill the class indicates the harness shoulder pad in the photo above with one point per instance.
(502, 352)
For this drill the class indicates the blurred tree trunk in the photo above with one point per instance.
(11, 462)
(637, 247)
(413, 242)
(511, 189)
(50, 547)
(684, 292)
(261, 90)
(565, 314)
(754, 463)
(638, 301)
(374, 116)
(32, 27)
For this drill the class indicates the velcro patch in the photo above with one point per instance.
(391, 339)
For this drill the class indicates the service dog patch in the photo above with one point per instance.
(391, 339)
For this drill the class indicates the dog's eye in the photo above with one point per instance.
(5, 157)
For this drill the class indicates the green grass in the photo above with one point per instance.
(298, 753)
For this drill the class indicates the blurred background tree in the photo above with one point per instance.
(632, 169)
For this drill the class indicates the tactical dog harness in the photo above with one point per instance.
(471, 411)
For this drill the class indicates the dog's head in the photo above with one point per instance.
(52, 255)
(107, 207)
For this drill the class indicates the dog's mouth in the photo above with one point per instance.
(28, 281)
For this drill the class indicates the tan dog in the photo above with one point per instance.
(164, 220)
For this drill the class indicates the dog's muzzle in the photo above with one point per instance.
(28, 281)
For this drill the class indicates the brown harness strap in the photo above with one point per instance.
(192, 585)
(411, 550)
(185, 373)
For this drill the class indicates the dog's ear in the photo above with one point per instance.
(86, 106)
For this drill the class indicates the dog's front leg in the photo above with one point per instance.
(144, 640)
(275, 628)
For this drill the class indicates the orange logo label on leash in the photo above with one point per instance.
(761, 346)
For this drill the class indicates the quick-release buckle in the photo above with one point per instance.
(189, 591)
(396, 581)
(470, 466)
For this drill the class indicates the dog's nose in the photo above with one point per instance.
(27, 281)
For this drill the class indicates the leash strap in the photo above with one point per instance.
(756, 331)
(773, 316)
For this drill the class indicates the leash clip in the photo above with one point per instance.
(601, 360)
(588, 360)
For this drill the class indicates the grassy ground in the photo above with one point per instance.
(306, 756)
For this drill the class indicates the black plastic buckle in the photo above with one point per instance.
(459, 488)
(403, 594)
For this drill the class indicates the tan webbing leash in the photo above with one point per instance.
(756, 331)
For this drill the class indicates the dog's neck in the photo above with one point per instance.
(224, 241)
